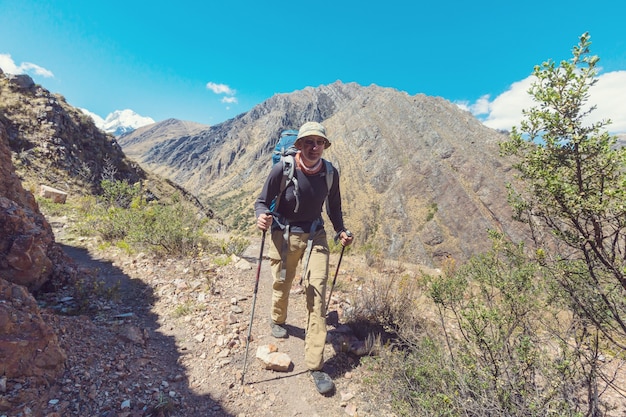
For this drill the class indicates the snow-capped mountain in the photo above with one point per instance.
(120, 121)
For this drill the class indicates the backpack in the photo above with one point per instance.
(285, 145)
(285, 151)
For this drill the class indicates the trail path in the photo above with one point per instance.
(293, 393)
(174, 343)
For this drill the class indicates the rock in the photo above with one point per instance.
(27, 251)
(351, 410)
(346, 396)
(24, 244)
(272, 359)
(57, 196)
(28, 347)
(132, 334)
(243, 265)
(21, 81)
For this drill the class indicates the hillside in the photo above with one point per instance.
(139, 141)
(422, 180)
(56, 144)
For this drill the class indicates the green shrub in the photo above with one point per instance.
(119, 193)
(175, 228)
(234, 245)
(495, 348)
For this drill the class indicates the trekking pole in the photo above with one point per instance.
(336, 272)
(256, 288)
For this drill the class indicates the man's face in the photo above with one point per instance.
(312, 147)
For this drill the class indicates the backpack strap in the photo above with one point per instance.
(330, 173)
(289, 177)
(289, 171)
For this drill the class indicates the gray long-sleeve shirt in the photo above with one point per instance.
(312, 191)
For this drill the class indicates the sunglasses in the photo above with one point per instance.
(311, 142)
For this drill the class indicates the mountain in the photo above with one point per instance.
(137, 142)
(56, 144)
(120, 121)
(421, 179)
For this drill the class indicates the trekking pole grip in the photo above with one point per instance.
(338, 235)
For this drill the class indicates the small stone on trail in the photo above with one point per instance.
(272, 359)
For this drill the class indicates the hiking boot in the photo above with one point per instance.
(278, 331)
(323, 383)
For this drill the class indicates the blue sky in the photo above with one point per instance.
(208, 61)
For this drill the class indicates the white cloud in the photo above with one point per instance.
(223, 89)
(8, 65)
(609, 95)
(505, 111)
(220, 89)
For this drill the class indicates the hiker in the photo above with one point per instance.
(298, 234)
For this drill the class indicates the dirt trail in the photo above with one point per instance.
(196, 358)
(293, 393)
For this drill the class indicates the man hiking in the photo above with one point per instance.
(298, 233)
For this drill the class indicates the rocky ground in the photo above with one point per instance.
(167, 338)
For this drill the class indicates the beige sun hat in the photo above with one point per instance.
(313, 129)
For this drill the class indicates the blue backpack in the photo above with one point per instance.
(285, 145)
(285, 151)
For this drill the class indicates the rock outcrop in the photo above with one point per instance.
(28, 346)
(28, 259)
(56, 144)
(26, 238)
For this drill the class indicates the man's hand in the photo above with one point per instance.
(346, 237)
(264, 221)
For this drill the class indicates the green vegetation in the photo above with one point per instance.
(122, 217)
(432, 210)
(185, 309)
(524, 331)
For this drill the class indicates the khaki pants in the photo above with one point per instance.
(315, 288)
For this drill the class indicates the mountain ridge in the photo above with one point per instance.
(136, 142)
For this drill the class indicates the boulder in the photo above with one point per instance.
(28, 346)
(56, 196)
(26, 239)
(24, 246)
(21, 81)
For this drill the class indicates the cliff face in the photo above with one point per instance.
(422, 180)
(28, 259)
(26, 239)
